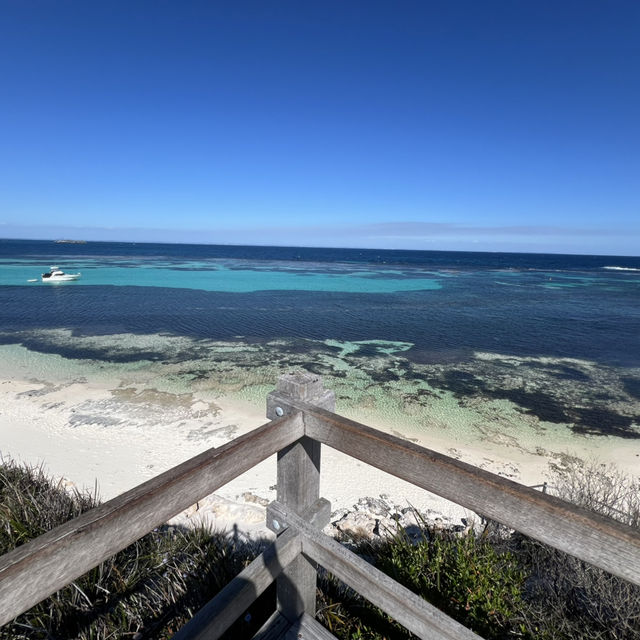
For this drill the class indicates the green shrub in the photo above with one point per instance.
(350, 617)
(464, 576)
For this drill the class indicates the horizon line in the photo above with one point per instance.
(295, 246)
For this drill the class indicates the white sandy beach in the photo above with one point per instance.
(114, 433)
(35, 429)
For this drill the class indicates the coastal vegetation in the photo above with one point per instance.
(148, 590)
(495, 581)
(500, 583)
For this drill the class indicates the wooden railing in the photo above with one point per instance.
(302, 419)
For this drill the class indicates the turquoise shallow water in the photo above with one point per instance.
(446, 305)
(396, 332)
(232, 278)
(530, 403)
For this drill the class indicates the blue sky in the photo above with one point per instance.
(473, 125)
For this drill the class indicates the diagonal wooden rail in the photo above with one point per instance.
(223, 610)
(39, 568)
(602, 541)
(302, 419)
(418, 616)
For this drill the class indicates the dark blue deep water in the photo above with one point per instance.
(446, 304)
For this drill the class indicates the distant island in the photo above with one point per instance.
(70, 241)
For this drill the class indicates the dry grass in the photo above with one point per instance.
(148, 590)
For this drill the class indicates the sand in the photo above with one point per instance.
(107, 432)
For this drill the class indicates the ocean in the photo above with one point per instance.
(426, 339)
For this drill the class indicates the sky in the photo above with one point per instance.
(457, 125)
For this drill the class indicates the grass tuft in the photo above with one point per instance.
(148, 590)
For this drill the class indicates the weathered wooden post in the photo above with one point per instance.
(298, 484)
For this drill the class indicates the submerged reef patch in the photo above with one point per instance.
(593, 400)
(370, 377)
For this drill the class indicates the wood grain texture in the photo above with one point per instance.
(277, 627)
(307, 628)
(298, 487)
(601, 541)
(35, 570)
(318, 515)
(274, 628)
(414, 613)
(299, 385)
(220, 613)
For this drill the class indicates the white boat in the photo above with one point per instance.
(55, 274)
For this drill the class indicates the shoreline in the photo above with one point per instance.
(115, 427)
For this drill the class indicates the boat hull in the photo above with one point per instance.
(65, 278)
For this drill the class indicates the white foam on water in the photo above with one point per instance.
(614, 268)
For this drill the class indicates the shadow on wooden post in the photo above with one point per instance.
(298, 485)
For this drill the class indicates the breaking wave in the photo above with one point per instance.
(622, 269)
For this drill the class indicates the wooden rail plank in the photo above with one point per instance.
(223, 610)
(35, 570)
(274, 628)
(307, 628)
(416, 614)
(601, 541)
